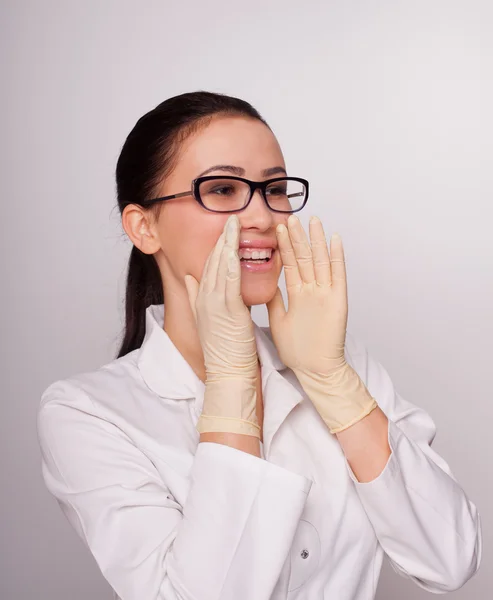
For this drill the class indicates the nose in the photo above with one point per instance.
(257, 214)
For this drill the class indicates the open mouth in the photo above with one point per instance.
(256, 257)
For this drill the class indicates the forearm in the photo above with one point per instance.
(245, 443)
(353, 415)
(365, 445)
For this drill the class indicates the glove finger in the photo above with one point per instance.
(204, 272)
(276, 309)
(233, 282)
(210, 273)
(337, 262)
(192, 286)
(302, 249)
(291, 272)
(231, 242)
(320, 251)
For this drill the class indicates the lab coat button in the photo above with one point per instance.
(305, 553)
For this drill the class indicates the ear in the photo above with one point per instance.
(139, 227)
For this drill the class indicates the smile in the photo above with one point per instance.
(255, 255)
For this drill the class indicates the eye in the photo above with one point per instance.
(222, 190)
(278, 190)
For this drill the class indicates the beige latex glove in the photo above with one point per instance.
(310, 337)
(227, 337)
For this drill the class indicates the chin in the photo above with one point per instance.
(259, 293)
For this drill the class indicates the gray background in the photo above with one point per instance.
(385, 106)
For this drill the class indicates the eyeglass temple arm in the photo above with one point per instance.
(180, 195)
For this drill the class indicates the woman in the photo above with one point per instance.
(214, 459)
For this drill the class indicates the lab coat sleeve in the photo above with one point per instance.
(229, 540)
(422, 517)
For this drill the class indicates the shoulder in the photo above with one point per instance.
(88, 411)
(94, 384)
(96, 393)
(86, 430)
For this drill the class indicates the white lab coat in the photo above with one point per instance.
(169, 518)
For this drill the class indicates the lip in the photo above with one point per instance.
(258, 244)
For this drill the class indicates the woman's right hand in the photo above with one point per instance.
(227, 337)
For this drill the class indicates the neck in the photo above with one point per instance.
(179, 324)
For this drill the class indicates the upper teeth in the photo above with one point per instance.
(250, 253)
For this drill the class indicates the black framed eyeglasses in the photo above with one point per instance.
(218, 193)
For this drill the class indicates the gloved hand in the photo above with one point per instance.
(310, 337)
(227, 337)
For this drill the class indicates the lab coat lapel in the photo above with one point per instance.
(162, 366)
(280, 396)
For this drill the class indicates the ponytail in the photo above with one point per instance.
(144, 287)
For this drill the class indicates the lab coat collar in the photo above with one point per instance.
(168, 374)
(161, 365)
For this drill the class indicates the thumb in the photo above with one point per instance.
(192, 286)
(276, 309)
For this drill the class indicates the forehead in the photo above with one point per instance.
(238, 141)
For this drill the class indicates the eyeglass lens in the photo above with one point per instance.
(227, 194)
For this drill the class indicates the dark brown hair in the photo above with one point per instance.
(148, 155)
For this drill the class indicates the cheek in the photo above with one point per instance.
(203, 244)
(188, 236)
(282, 218)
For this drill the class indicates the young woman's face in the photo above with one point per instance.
(188, 232)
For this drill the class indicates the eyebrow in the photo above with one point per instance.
(240, 172)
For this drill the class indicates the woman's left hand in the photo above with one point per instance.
(310, 337)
